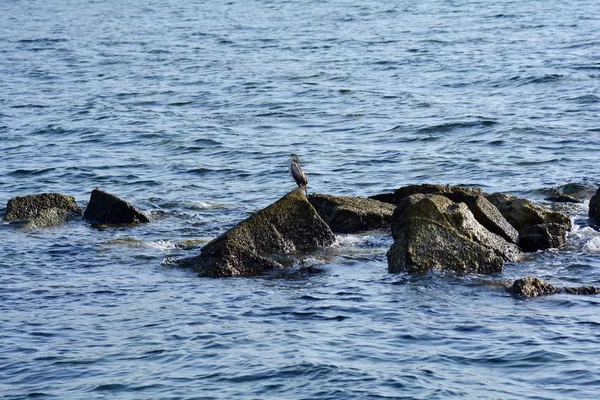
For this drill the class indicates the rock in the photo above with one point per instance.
(105, 208)
(542, 236)
(486, 214)
(531, 286)
(28, 207)
(539, 229)
(426, 188)
(594, 212)
(290, 225)
(563, 199)
(431, 231)
(582, 290)
(352, 214)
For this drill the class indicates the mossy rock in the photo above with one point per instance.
(30, 206)
(290, 225)
(346, 214)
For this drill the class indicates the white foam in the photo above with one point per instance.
(592, 246)
(163, 245)
(586, 238)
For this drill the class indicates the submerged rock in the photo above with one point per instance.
(594, 212)
(352, 214)
(106, 208)
(531, 286)
(539, 229)
(433, 232)
(563, 199)
(42, 210)
(290, 225)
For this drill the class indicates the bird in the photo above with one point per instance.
(297, 173)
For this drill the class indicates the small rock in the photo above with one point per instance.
(27, 207)
(105, 208)
(582, 290)
(531, 286)
(352, 214)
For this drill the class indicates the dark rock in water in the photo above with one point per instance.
(594, 212)
(574, 190)
(433, 232)
(352, 214)
(290, 225)
(532, 286)
(105, 208)
(486, 214)
(426, 188)
(582, 290)
(27, 207)
(542, 236)
(384, 197)
(539, 229)
(563, 199)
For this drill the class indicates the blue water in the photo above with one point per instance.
(189, 109)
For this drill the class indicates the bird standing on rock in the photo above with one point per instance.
(297, 173)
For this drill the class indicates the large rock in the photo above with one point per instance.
(42, 210)
(594, 212)
(27, 207)
(352, 214)
(290, 225)
(106, 208)
(539, 229)
(433, 232)
(484, 211)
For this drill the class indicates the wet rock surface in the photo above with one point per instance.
(352, 214)
(594, 212)
(290, 225)
(106, 208)
(42, 210)
(433, 232)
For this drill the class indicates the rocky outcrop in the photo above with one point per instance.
(539, 229)
(352, 214)
(594, 212)
(433, 232)
(106, 208)
(563, 199)
(532, 286)
(41, 210)
(290, 225)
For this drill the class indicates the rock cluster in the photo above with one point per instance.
(52, 209)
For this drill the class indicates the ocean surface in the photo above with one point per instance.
(188, 109)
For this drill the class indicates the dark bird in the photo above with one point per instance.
(297, 173)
